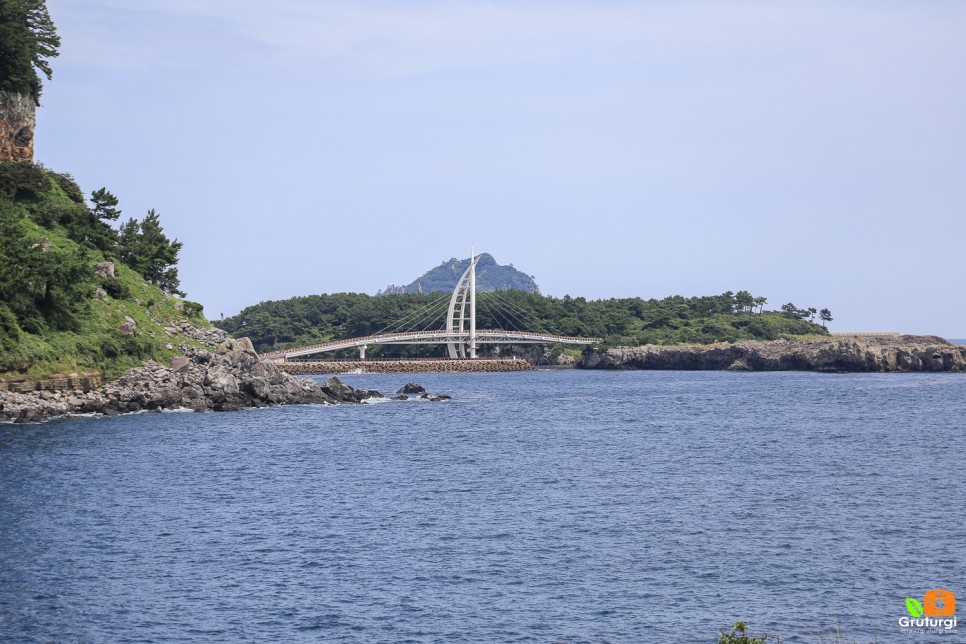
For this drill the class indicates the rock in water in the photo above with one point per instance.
(342, 392)
(412, 388)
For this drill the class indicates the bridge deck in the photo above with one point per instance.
(490, 336)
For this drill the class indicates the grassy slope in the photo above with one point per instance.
(97, 344)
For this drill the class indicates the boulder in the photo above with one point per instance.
(342, 392)
(412, 388)
(104, 269)
(127, 327)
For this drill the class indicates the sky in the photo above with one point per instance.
(812, 152)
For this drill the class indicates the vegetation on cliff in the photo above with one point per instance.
(76, 295)
(28, 40)
(628, 322)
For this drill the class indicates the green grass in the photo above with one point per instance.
(98, 345)
(94, 342)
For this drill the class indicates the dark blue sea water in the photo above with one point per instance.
(556, 506)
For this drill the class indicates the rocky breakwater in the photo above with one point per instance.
(867, 354)
(229, 378)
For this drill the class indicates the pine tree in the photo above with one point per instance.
(104, 205)
(145, 248)
(825, 315)
(28, 40)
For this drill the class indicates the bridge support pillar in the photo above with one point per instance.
(362, 352)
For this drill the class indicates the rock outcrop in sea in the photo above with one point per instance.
(227, 378)
(899, 353)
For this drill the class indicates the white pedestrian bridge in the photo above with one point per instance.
(459, 333)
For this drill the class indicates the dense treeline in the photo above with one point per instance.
(629, 321)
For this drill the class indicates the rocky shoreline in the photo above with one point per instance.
(229, 377)
(861, 354)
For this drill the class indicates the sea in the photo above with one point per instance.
(546, 506)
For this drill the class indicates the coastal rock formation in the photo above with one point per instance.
(230, 378)
(855, 354)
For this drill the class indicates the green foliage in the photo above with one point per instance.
(105, 205)
(193, 309)
(144, 247)
(628, 322)
(69, 185)
(28, 40)
(739, 635)
(50, 319)
(54, 200)
(22, 181)
(825, 315)
(42, 283)
(115, 288)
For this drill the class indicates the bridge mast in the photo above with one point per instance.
(473, 304)
(456, 319)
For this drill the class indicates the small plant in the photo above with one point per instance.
(834, 634)
(739, 635)
(193, 309)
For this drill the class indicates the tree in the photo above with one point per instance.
(760, 302)
(825, 315)
(28, 40)
(810, 313)
(744, 301)
(39, 282)
(145, 248)
(791, 311)
(104, 205)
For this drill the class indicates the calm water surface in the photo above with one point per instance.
(547, 506)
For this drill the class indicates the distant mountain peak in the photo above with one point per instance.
(490, 276)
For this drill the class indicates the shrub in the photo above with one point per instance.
(116, 288)
(192, 309)
(69, 185)
(739, 635)
(23, 180)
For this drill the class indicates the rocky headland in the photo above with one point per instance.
(227, 377)
(866, 354)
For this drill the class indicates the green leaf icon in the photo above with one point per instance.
(913, 606)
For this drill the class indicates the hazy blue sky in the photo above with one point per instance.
(812, 152)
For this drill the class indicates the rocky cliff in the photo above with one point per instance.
(17, 122)
(228, 378)
(856, 354)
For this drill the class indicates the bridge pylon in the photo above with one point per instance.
(460, 323)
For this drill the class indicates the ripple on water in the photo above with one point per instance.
(542, 506)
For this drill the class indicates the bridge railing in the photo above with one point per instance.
(441, 334)
(436, 359)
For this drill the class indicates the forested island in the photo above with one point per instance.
(727, 317)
